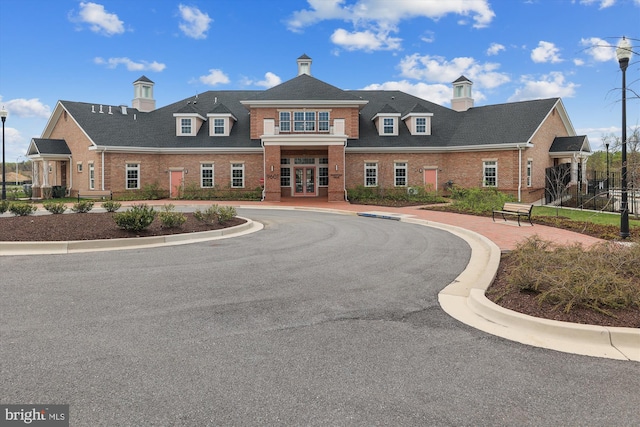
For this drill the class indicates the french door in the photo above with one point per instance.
(305, 181)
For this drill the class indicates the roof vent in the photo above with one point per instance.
(124, 110)
(110, 110)
(93, 108)
(101, 112)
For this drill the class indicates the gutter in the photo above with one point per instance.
(520, 148)
(344, 170)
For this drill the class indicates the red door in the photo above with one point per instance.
(176, 183)
(431, 179)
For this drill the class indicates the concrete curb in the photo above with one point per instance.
(77, 246)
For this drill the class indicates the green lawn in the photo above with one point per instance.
(603, 218)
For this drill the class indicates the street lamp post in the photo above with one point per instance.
(607, 145)
(3, 116)
(623, 52)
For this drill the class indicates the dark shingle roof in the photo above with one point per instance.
(305, 88)
(143, 79)
(51, 146)
(462, 79)
(569, 143)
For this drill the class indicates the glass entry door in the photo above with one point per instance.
(305, 181)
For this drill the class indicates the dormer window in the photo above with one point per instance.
(220, 124)
(386, 121)
(185, 126)
(389, 125)
(418, 123)
(421, 125)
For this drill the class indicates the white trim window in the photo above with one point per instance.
(206, 175)
(186, 126)
(323, 121)
(421, 125)
(237, 175)
(133, 176)
(219, 126)
(371, 174)
(490, 173)
(529, 172)
(92, 176)
(388, 125)
(285, 121)
(400, 174)
(323, 176)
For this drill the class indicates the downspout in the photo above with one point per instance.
(70, 174)
(264, 170)
(520, 173)
(344, 171)
(102, 171)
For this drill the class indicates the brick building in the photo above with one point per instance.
(304, 138)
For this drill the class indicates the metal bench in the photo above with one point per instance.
(515, 209)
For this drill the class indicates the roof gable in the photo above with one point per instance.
(305, 88)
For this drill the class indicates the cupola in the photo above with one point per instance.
(462, 99)
(143, 95)
(304, 65)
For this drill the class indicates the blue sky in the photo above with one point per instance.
(92, 51)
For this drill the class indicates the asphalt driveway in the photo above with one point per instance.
(320, 319)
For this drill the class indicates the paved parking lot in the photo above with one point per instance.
(319, 319)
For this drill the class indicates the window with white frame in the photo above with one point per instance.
(285, 172)
(529, 171)
(133, 176)
(323, 121)
(237, 175)
(421, 125)
(298, 121)
(285, 121)
(79, 166)
(323, 176)
(388, 125)
(371, 174)
(185, 126)
(400, 174)
(206, 175)
(490, 173)
(92, 177)
(218, 126)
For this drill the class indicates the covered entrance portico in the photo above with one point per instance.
(313, 168)
(51, 160)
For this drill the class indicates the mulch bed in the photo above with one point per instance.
(90, 226)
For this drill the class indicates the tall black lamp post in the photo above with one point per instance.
(3, 116)
(623, 52)
(606, 144)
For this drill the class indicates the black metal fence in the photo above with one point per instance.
(602, 192)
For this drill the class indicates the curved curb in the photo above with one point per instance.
(78, 246)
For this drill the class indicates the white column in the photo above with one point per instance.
(45, 173)
(574, 171)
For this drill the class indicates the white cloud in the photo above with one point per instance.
(21, 107)
(578, 62)
(495, 48)
(270, 80)
(550, 85)
(365, 40)
(436, 93)
(99, 20)
(603, 3)
(438, 69)
(600, 50)
(215, 77)
(384, 14)
(194, 23)
(131, 65)
(546, 52)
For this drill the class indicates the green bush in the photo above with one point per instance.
(215, 214)
(478, 200)
(604, 277)
(136, 218)
(22, 209)
(171, 219)
(393, 196)
(83, 206)
(4, 206)
(153, 192)
(55, 207)
(111, 206)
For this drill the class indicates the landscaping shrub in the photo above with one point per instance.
(83, 206)
(215, 214)
(153, 192)
(393, 196)
(171, 219)
(136, 218)
(478, 200)
(111, 206)
(22, 209)
(55, 207)
(4, 206)
(604, 277)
